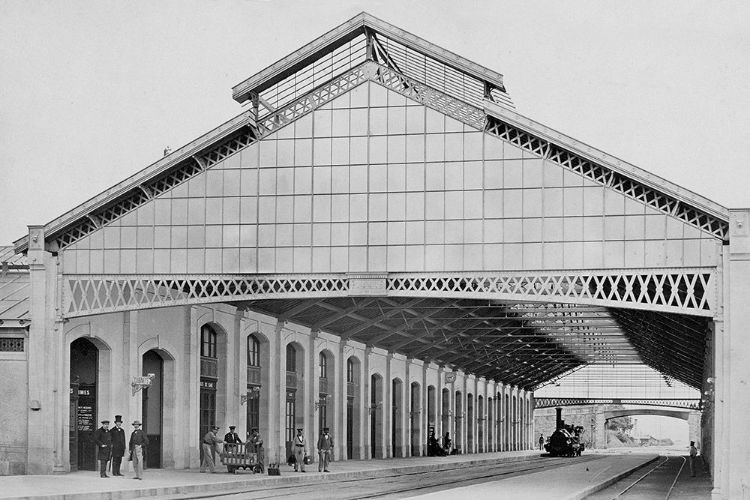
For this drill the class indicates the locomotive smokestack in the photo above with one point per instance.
(560, 422)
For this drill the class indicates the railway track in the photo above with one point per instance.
(393, 485)
(653, 482)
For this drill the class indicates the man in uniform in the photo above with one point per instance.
(138, 441)
(118, 445)
(255, 445)
(325, 448)
(103, 441)
(232, 437)
(299, 446)
(210, 440)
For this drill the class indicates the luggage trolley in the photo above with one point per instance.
(237, 456)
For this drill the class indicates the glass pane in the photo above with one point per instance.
(378, 207)
(377, 233)
(397, 120)
(196, 236)
(473, 146)
(303, 152)
(284, 209)
(378, 178)
(339, 234)
(179, 236)
(435, 147)
(322, 234)
(358, 150)
(532, 203)
(415, 120)
(322, 122)
(357, 206)
(378, 121)
(513, 174)
(302, 208)
(268, 181)
(322, 179)
(285, 153)
(340, 151)
(378, 149)
(434, 258)
(358, 125)
(415, 206)
(396, 233)
(435, 205)
(322, 151)
(473, 204)
(532, 230)
(340, 123)
(340, 208)
(303, 180)
(435, 232)
(397, 148)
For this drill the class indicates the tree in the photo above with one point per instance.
(621, 425)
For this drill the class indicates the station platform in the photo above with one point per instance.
(567, 482)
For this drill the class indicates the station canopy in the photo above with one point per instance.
(524, 342)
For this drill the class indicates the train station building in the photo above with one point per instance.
(381, 244)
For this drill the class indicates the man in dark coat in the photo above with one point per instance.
(103, 441)
(232, 437)
(118, 445)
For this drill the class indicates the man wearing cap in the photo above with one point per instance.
(138, 441)
(118, 445)
(255, 445)
(299, 446)
(210, 440)
(325, 448)
(103, 441)
(231, 437)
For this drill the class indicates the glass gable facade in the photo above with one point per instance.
(375, 182)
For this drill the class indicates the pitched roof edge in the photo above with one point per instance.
(301, 56)
(598, 156)
(156, 168)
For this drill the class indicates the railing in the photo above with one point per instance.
(291, 380)
(209, 367)
(253, 375)
(323, 385)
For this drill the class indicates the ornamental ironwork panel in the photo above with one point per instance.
(253, 375)
(291, 380)
(209, 367)
(690, 404)
(688, 290)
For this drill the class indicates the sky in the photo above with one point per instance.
(92, 92)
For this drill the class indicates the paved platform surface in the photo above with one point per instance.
(159, 483)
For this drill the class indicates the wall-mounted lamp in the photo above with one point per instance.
(323, 401)
(252, 394)
(35, 405)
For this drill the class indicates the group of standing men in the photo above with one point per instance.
(111, 446)
(211, 440)
(325, 450)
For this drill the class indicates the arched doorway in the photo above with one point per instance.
(445, 415)
(84, 368)
(469, 423)
(325, 389)
(459, 412)
(415, 414)
(376, 416)
(208, 380)
(294, 392)
(254, 378)
(153, 404)
(397, 426)
(480, 424)
(352, 402)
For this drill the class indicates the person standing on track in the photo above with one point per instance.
(541, 441)
(693, 456)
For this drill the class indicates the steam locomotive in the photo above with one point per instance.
(565, 442)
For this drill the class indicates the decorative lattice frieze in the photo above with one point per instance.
(687, 291)
(691, 404)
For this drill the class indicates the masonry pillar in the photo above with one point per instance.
(733, 370)
(694, 427)
(600, 432)
(44, 398)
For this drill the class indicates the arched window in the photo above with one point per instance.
(253, 351)
(291, 358)
(208, 342)
(323, 366)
